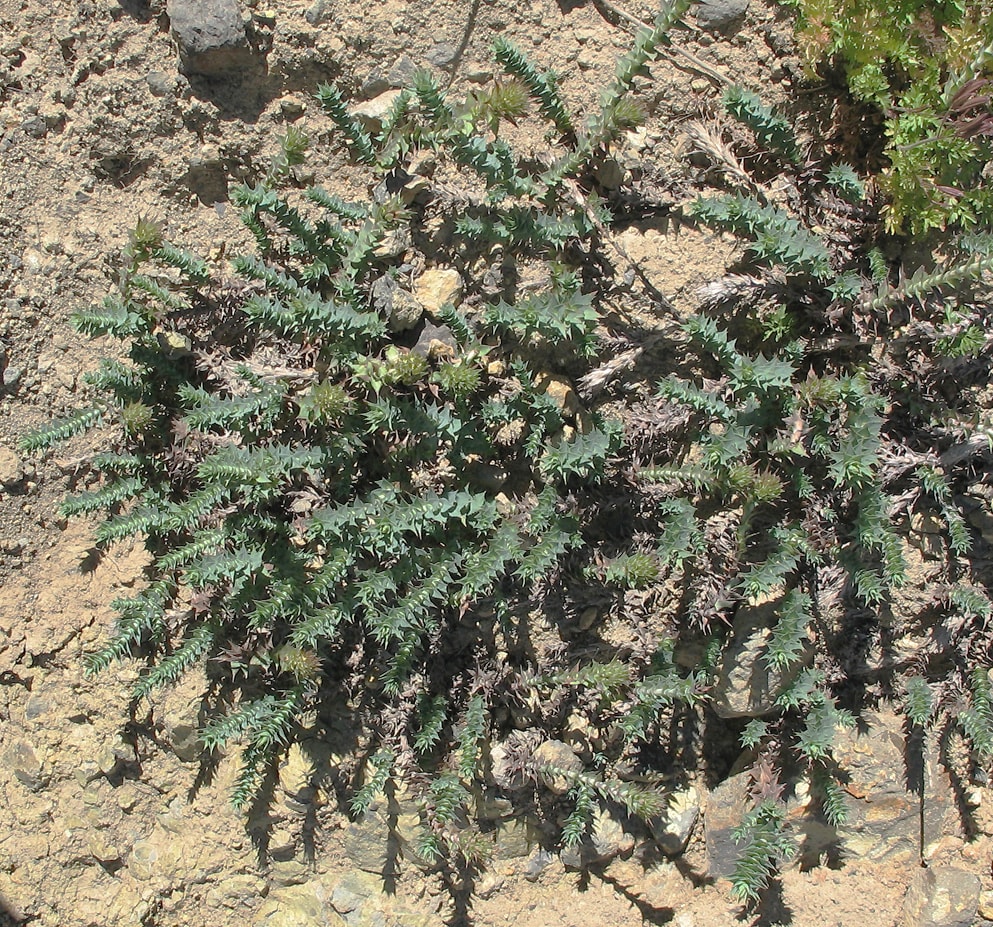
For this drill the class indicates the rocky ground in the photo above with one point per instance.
(106, 821)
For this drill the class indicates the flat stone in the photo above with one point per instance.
(941, 897)
(20, 758)
(211, 37)
(373, 112)
(442, 54)
(402, 73)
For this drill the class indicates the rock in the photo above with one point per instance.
(610, 174)
(158, 857)
(352, 892)
(609, 837)
(607, 841)
(746, 686)
(211, 37)
(160, 83)
(537, 864)
(298, 906)
(985, 909)
(11, 468)
(382, 837)
(672, 830)
(296, 772)
(724, 16)
(436, 342)
(561, 756)
(373, 112)
(442, 54)
(102, 848)
(287, 872)
(20, 758)
(317, 12)
(978, 513)
(360, 900)
(402, 73)
(12, 378)
(941, 897)
(38, 704)
(514, 839)
(561, 390)
(723, 811)
(400, 308)
(437, 287)
(394, 243)
(236, 891)
(883, 813)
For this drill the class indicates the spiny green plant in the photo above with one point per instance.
(311, 485)
(765, 847)
(781, 480)
(771, 129)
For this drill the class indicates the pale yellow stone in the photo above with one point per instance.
(437, 287)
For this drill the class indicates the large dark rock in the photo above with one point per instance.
(724, 16)
(211, 37)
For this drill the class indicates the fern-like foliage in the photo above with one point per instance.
(977, 719)
(358, 139)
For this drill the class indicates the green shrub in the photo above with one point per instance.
(309, 484)
(926, 66)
